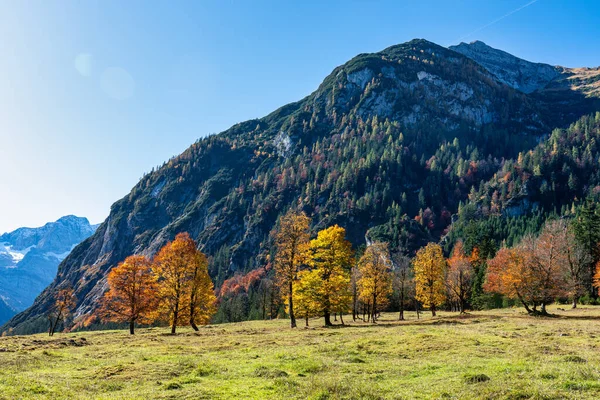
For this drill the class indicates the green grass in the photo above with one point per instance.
(499, 354)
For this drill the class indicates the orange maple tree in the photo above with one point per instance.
(64, 303)
(131, 296)
(532, 272)
(185, 290)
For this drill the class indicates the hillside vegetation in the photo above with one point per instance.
(499, 354)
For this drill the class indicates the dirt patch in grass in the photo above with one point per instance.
(475, 378)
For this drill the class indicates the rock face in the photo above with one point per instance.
(517, 73)
(29, 259)
(386, 115)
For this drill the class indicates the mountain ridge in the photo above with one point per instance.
(528, 76)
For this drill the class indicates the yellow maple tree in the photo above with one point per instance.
(331, 259)
(306, 295)
(429, 267)
(291, 245)
(375, 279)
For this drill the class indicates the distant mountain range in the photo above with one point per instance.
(389, 146)
(29, 258)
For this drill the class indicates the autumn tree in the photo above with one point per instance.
(306, 295)
(375, 282)
(459, 277)
(507, 275)
(63, 305)
(202, 299)
(547, 261)
(596, 278)
(131, 296)
(291, 244)
(403, 282)
(330, 260)
(429, 267)
(183, 283)
(530, 272)
(354, 277)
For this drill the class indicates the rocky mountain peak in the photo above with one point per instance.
(520, 74)
(29, 258)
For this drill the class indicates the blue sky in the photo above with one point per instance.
(95, 93)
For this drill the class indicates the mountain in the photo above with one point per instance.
(527, 76)
(389, 146)
(29, 258)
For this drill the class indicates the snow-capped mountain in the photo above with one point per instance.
(29, 258)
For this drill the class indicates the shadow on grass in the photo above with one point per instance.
(459, 319)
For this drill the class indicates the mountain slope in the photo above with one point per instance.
(29, 258)
(387, 146)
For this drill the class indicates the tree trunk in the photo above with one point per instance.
(335, 316)
(374, 318)
(175, 319)
(327, 317)
(192, 315)
(264, 305)
(543, 309)
(291, 307)
(53, 325)
(306, 319)
(193, 325)
(401, 316)
(354, 310)
(529, 311)
(342, 319)
(131, 327)
(433, 310)
(574, 302)
(272, 306)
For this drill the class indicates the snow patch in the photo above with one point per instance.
(16, 255)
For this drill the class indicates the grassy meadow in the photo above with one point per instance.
(498, 354)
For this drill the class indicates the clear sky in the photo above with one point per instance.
(95, 93)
